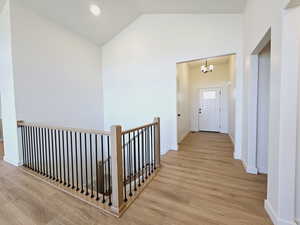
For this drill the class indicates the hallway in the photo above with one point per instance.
(199, 185)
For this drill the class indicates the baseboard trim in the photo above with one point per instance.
(237, 156)
(272, 214)
(249, 169)
(12, 162)
(232, 140)
(184, 136)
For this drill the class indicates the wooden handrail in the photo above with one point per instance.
(79, 130)
(139, 128)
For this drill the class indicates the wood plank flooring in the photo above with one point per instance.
(199, 185)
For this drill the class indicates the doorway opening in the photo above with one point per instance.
(263, 103)
(206, 96)
(258, 107)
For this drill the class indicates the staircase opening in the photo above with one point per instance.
(106, 169)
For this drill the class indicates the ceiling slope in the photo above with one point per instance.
(117, 14)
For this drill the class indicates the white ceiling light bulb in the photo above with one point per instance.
(95, 9)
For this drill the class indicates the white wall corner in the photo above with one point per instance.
(237, 155)
(249, 169)
(274, 217)
(13, 162)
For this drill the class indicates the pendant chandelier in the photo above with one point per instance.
(205, 68)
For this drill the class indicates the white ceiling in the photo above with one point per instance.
(214, 61)
(117, 14)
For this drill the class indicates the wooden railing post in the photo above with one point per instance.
(117, 169)
(157, 141)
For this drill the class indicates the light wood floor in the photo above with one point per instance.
(200, 185)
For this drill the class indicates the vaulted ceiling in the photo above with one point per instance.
(117, 14)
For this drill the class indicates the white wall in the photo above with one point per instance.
(259, 17)
(57, 73)
(183, 101)
(232, 97)
(53, 76)
(7, 88)
(218, 78)
(293, 37)
(139, 65)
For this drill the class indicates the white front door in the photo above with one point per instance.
(209, 111)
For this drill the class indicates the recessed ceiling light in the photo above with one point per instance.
(95, 9)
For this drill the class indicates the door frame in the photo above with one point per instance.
(220, 92)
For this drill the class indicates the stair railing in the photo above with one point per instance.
(105, 169)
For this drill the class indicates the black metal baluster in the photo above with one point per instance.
(24, 146)
(124, 169)
(56, 155)
(86, 167)
(149, 152)
(134, 160)
(63, 150)
(72, 160)
(76, 158)
(102, 164)
(143, 156)
(139, 157)
(49, 152)
(32, 148)
(97, 168)
(42, 151)
(80, 139)
(104, 177)
(52, 148)
(27, 147)
(68, 160)
(109, 173)
(46, 150)
(59, 153)
(36, 150)
(130, 165)
(91, 157)
(146, 151)
(152, 150)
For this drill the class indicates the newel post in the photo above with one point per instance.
(117, 169)
(157, 141)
